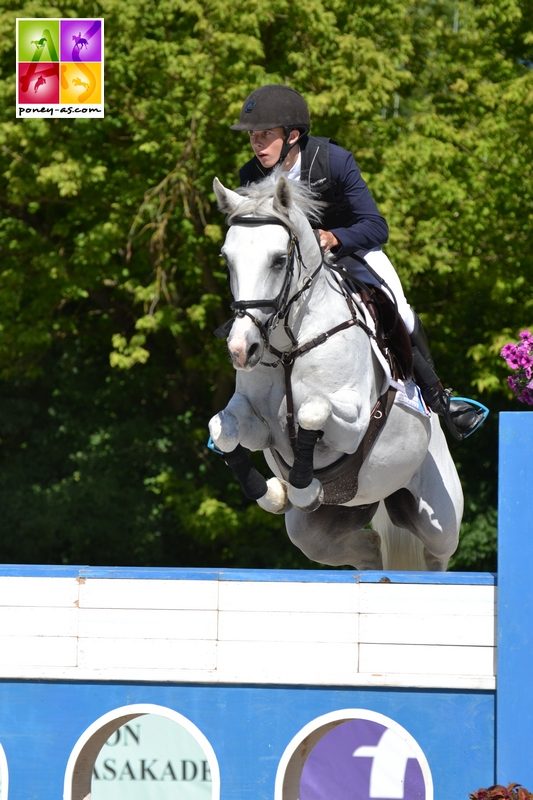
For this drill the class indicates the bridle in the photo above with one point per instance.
(282, 303)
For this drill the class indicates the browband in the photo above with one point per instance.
(242, 219)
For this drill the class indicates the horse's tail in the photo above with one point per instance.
(399, 547)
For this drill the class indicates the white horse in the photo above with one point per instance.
(309, 385)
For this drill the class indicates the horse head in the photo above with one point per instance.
(270, 250)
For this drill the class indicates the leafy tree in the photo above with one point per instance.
(109, 238)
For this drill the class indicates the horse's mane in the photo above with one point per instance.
(259, 196)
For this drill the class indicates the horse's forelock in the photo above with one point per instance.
(259, 200)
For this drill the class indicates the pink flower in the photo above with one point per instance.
(519, 358)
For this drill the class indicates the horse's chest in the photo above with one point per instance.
(267, 397)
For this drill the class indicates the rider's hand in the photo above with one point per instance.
(328, 240)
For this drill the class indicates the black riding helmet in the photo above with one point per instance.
(274, 106)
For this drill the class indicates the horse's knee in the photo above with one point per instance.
(224, 431)
(239, 424)
(314, 413)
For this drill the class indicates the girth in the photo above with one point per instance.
(340, 480)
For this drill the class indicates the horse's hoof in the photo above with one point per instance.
(308, 499)
(275, 500)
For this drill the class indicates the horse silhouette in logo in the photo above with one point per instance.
(80, 42)
(79, 82)
(39, 43)
(39, 82)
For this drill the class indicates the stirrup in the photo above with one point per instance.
(481, 411)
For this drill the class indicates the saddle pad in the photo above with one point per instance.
(408, 394)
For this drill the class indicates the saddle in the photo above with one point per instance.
(392, 336)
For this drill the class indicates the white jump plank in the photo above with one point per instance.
(280, 626)
(26, 621)
(100, 623)
(126, 593)
(286, 661)
(248, 631)
(427, 629)
(156, 654)
(26, 652)
(191, 676)
(289, 596)
(438, 660)
(432, 599)
(56, 592)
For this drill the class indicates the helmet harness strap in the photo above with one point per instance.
(286, 147)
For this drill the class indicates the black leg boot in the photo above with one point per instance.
(460, 417)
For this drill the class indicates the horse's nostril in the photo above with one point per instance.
(253, 349)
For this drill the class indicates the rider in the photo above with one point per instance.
(278, 122)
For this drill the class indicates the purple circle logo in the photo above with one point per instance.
(357, 754)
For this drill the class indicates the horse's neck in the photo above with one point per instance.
(302, 320)
(309, 247)
(320, 308)
(323, 308)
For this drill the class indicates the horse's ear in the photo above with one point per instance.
(282, 195)
(227, 200)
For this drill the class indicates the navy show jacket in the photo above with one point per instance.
(332, 172)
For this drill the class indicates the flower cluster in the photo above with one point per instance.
(519, 357)
(512, 792)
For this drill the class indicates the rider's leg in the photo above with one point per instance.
(384, 274)
(460, 417)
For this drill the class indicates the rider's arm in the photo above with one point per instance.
(362, 227)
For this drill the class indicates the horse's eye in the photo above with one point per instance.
(280, 262)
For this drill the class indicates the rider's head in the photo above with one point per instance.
(276, 117)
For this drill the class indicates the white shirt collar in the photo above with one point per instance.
(295, 171)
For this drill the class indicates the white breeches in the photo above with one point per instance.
(381, 264)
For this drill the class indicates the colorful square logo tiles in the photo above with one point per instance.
(60, 68)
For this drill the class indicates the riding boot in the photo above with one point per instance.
(461, 418)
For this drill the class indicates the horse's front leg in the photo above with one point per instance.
(237, 424)
(237, 430)
(304, 491)
(337, 418)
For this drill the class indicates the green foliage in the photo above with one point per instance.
(109, 237)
